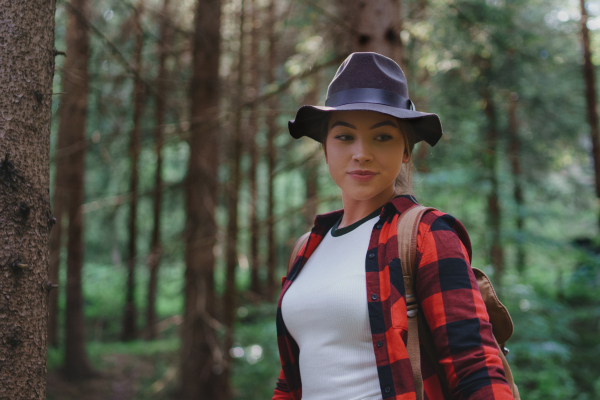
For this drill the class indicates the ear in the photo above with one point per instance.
(405, 158)
(325, 151)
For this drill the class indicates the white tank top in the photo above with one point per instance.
(325, 311)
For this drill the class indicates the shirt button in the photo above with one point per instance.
(387, 389)
(379, 344)
(378, 226)
(373, 297)
(371, 255)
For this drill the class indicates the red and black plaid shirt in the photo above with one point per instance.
(448, 296)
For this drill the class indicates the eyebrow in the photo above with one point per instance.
(342, 123)
(384, 123)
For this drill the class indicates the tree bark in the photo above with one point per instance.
(272, 114)
(59, 200)
(230, 297)
(517, 172)
(161, 93)
(591, 100)
(312, 167)
(255, 286)
(201, 362)
(26, 72)
(376, 26)
(73, 116)
(129, 319)
(420, 158)
(494, 212)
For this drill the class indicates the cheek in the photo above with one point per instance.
(392, 162)
(336, 164)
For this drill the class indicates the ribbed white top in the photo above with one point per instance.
(325, 310)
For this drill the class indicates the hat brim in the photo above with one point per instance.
(310, 120)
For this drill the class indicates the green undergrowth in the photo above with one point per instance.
(96, 351)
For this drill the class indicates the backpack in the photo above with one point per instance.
(502, 326)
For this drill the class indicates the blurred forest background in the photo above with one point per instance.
(170, 131)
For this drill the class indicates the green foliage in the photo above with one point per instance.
(254, 375)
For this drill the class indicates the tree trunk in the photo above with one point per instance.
(161, 93)
(59, 200)
(201, 362)
(422, 78)
(420, 158)
(312, 167)
(73, 115)
(591, 99)
(490, 163)
(27, 62)
(513, 152)
(235, 174)
(312, 194)
(376, 26)
(129, 319)
(254, 157)
(272, 114)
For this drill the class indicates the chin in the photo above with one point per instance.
(362, 194)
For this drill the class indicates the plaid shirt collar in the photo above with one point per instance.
(324, 222)
(398, 204)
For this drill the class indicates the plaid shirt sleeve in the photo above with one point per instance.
(281, 389)
(455, 312)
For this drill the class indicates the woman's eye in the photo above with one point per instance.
(383, 138)
(344, 137)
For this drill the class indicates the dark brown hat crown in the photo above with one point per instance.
(369, 70)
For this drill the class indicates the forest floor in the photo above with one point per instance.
(120, 376)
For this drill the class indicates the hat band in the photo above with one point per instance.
(369, 95)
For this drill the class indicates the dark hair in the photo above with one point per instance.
(403, 184)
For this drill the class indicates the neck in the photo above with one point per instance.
(355, 210)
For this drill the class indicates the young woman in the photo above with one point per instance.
(341, 320)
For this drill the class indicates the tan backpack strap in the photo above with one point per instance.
(299, 243)
(507, 372)
(408, 227)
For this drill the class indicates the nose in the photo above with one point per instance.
(362, 152)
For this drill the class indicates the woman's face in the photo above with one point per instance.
(364, 151)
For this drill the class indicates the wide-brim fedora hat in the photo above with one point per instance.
(368, 82)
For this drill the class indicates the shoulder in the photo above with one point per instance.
(440, 229)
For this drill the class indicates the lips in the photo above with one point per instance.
(362, 175)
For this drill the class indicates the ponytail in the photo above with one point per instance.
(403, 183)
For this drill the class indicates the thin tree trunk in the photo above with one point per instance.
(201, 361)
(423, 149)
(230, 297)
(73, 115)
(494, 212)
(312, 167)
(161, 93)
(129, 319)
(515, 161)
(376, 25)
(271, 156)
(255, 286)
(312, 194)
(58, 201)
(591, 99)
(421, 77)
(27, 62)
